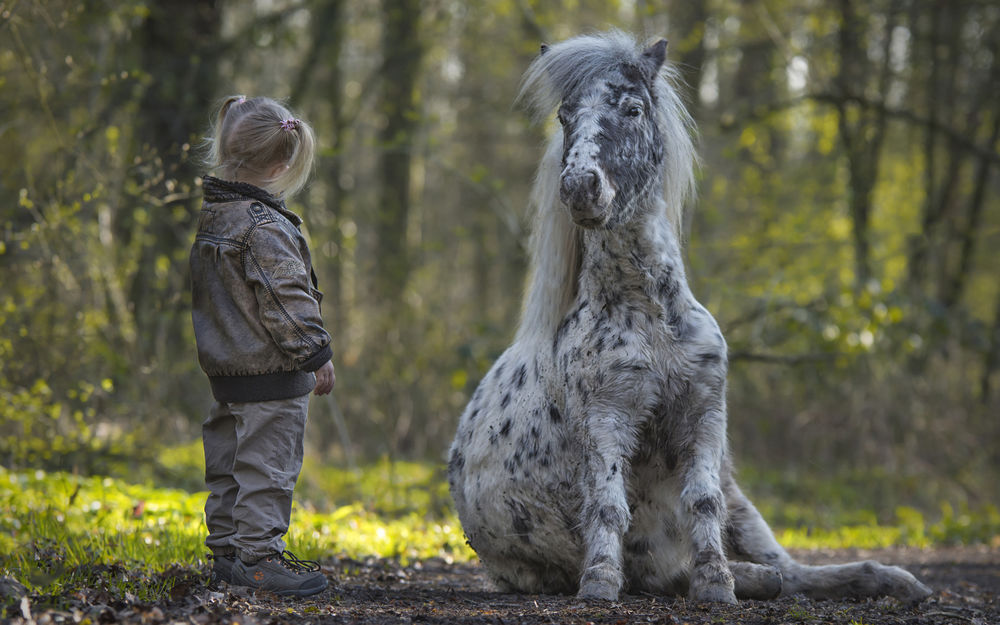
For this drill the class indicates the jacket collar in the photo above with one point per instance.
(218, 190)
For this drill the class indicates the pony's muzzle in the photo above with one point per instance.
(583, 193)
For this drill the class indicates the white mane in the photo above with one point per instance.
(556, 242)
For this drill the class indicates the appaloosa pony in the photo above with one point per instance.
(593, 455)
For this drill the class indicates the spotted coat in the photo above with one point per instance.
(593, 456)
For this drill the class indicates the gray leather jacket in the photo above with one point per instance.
(255, 306)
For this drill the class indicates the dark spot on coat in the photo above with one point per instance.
(456, 462)
(611, 517)
(505, 428)
(705, 506)
(520, 520)
(622, 365)
(599, 559)
(668, 287)
(554, 414)
(505, 400)
(708, 358)
(670, 458)
(513, 463)
(519, 376)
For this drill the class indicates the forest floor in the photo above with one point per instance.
(965, 580)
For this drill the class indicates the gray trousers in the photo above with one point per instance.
(253, 455)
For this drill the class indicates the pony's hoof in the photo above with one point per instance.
(918, 593)
(713, 593)
(908, 588)
(596, 591)
(755, 581)
(712, 582)
(594, 587)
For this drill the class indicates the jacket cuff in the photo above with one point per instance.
(318, 359)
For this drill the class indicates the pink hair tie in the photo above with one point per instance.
(242, 99)
(289, 124)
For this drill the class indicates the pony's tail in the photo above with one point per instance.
(556, 253)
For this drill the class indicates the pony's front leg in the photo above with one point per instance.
(605, 512)
(705, 507)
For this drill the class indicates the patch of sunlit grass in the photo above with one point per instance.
(52, 524)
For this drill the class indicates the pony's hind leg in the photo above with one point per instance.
(855, 581)
(749, 538)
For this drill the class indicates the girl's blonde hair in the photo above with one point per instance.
(252, 136)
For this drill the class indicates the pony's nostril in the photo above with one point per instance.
(566, 187)
(584, 186)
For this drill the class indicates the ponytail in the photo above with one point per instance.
(253, 136)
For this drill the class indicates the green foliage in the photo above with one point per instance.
(38, 429)
(909, 529)
(867, 510)
(387, 488)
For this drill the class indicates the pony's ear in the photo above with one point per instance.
(653, 57)
(545, 48)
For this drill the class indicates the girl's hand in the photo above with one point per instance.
(325, 379)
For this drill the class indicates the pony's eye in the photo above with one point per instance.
(634, 111)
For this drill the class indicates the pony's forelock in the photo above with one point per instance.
(564, 66)
(556, 242)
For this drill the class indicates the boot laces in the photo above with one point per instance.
(291, 562)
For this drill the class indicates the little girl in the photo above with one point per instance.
(260, 340)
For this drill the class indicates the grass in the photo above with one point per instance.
(60, 532)
(868, 510)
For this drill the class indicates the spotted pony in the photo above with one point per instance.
(592, 457)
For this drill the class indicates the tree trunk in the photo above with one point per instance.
(861, 130)
(389, 331)
(687, 46)
(183, 68)
(402, 51)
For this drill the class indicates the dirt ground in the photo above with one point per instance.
(966, 582)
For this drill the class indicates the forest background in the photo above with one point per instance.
(845, 234)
